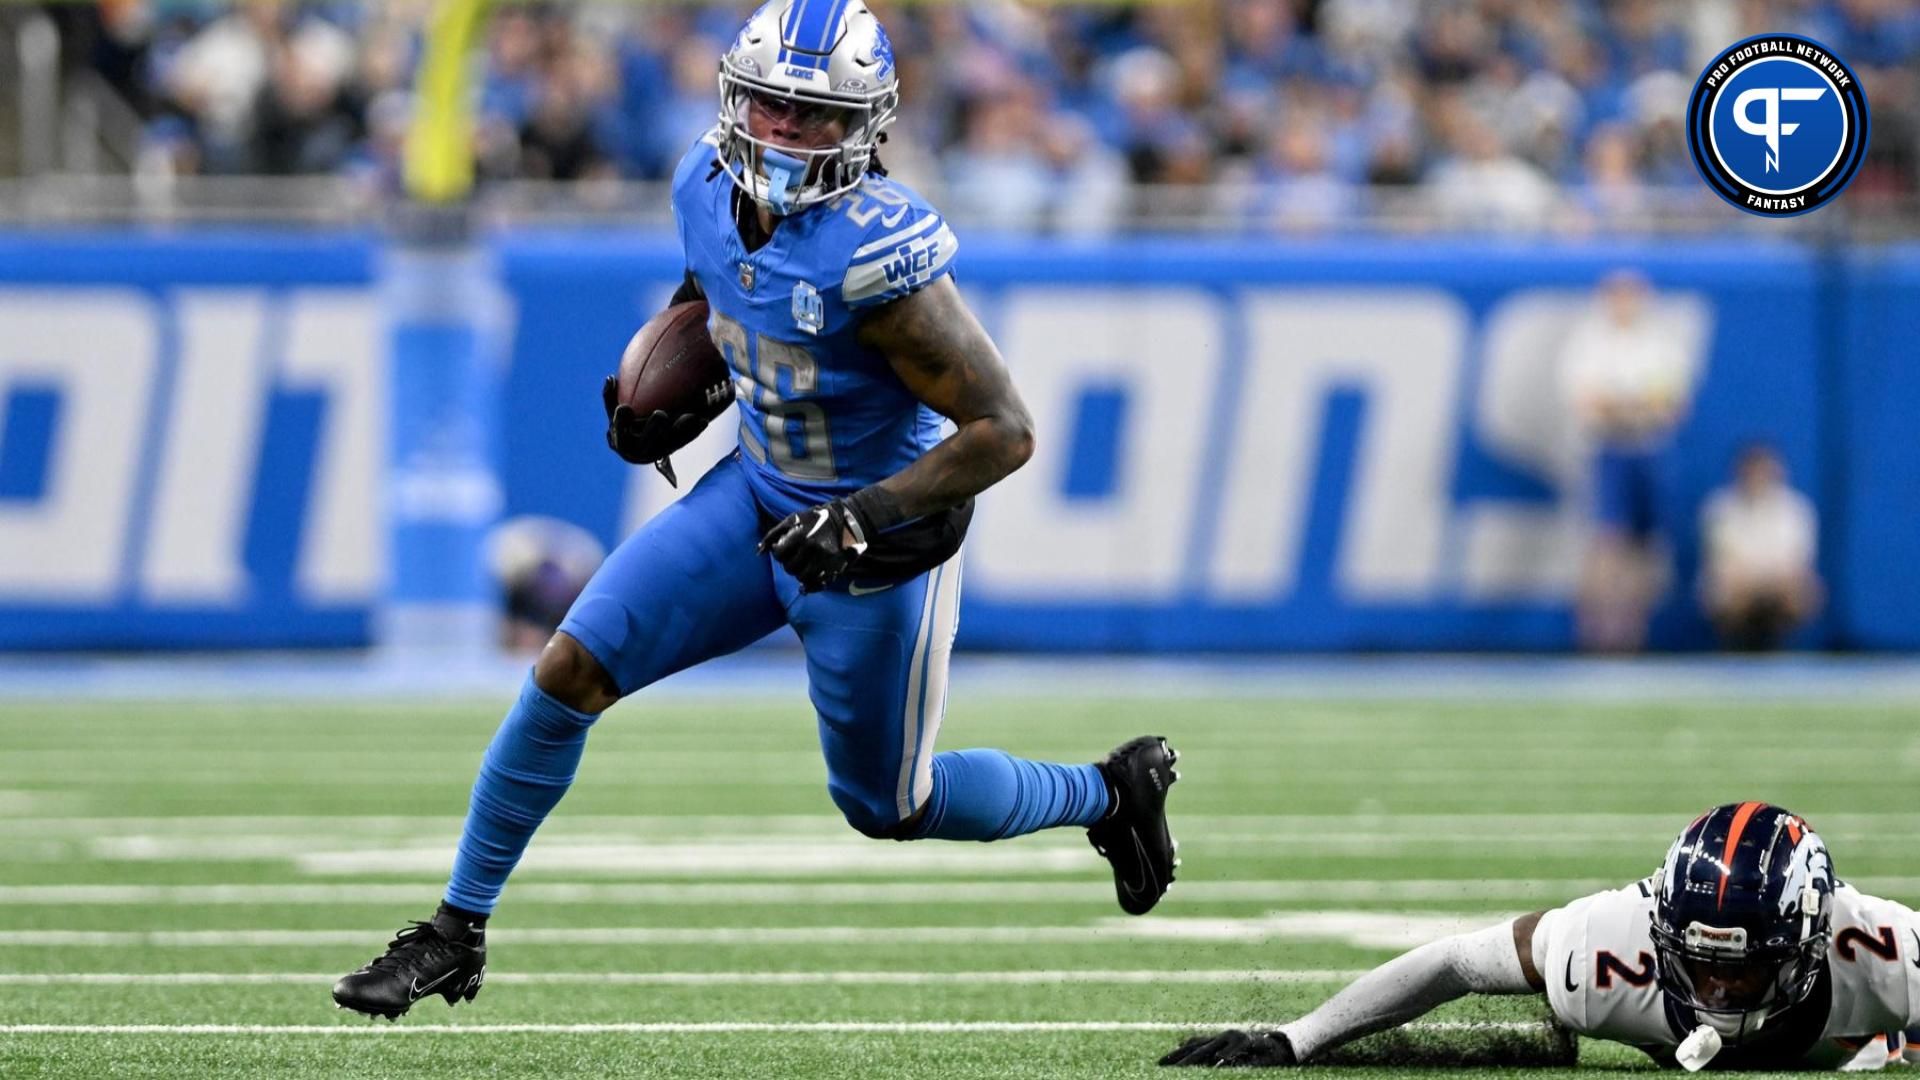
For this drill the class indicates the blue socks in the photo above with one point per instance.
(991, 795)
(528, 766)
(977, 795)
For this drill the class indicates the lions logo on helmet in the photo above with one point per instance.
(821, 54)
(1743, 916)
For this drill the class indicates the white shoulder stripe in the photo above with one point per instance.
(891, 239)
(908, 266)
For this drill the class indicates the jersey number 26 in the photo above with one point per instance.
(795, 432)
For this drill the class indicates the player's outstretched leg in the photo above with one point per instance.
(877, 673)
(688, 586)
(527, 768)
(1122, 802)
(992, 795)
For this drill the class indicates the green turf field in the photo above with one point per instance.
(696, 907)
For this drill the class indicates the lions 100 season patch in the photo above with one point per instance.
(1777, 124)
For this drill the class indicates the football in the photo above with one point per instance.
(672, 366)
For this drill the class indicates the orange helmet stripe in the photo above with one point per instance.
(1740, 818)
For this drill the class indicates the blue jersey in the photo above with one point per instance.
(821, 415)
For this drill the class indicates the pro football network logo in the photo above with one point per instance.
(1777, 125)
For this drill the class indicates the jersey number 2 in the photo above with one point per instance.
(1607, 967)
(1880, 943)
(805, 454)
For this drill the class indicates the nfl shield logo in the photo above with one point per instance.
(809, 312)
(746, 276)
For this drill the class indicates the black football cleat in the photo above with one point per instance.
(444, 957)
(1133, 836)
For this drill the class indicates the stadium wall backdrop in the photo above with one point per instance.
(1319, 446)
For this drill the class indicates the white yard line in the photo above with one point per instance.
(802, 894)
(359, 824)
(1282, 976)
(334, 856)
(850, 854)
(698, 825)
(723, 1027)
(840, 893)
(1363, 929)
(840, 855)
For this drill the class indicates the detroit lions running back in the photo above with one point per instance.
(831, 295)
(1742, 951)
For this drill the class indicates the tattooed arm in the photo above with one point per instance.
(938, 349)
(941, 352)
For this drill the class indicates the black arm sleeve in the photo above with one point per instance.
(689, 290)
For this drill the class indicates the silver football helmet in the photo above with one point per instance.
(818, 58)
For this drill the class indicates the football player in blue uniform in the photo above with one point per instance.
(831, 295)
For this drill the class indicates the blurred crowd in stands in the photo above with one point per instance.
(1297, 114)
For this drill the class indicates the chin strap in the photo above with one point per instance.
(782, 171)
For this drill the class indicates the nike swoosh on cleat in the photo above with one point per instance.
(1571, 987)
(1146, 877)
(421, 991)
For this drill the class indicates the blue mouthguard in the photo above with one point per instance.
(782, 170)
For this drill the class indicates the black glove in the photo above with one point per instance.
(818, 544)
(1245, 1049)
(646, 440)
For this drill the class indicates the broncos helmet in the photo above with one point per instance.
(1743, 914)
(821, 58)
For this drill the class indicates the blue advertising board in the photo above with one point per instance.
(1874, 367)
(1327, 445)
(190, 440)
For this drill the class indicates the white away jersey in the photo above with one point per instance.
(1596, 957)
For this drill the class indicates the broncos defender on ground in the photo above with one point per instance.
(841, 513)
(1742, 951)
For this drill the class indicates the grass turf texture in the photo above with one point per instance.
(229, 861)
